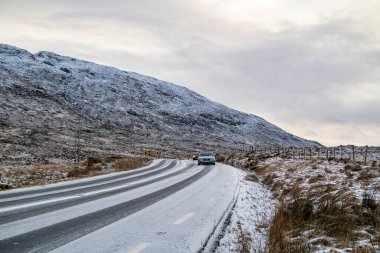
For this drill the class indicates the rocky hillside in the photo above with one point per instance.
(47, 100)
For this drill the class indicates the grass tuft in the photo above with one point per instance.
(251, 177)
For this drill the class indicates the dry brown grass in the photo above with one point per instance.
(276, 186)
(93, 168)
(52, 173)
(315, 179)
(37, 174)
(363, 249)
(86, 171)
(251, 165)
(244, 239)
(365, 175)
(220, 159)
(112, 159)
(322, 209)
(269, 180)
(284, 226)
(353, 167)
(319, 190)
(369, 211)
(265, 170)
(229, 158)
(93, 160)
(325, 208)
(251, 177)
(130, 163)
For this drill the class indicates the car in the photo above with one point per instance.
(206, 158)
(195, 157)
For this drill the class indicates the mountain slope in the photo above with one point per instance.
(46, 97)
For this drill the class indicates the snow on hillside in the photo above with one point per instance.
(45, 98)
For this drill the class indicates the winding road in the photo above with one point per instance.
(168, 206)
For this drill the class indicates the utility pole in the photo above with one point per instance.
(77, 141)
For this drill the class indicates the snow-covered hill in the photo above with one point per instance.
(45, 97)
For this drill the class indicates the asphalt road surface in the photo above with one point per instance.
(168, 206)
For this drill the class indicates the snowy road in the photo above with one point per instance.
(168, 206)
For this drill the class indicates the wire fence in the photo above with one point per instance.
(364, 154)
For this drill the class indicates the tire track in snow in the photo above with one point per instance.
(92, 187)
(53, 236)
(78, 184)
(24, 213)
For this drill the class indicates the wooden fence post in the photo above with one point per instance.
(310, 153)
(327, 154)
(353, 153)
(341, 152)
(334, 152)
(365, 155)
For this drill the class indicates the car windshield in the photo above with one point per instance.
(205, 154)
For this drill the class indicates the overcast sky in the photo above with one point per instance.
(311, 67)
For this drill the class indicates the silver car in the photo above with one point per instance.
(206, 158)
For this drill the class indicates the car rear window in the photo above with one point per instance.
(205, 154)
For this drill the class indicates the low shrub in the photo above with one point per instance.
(315, 179)
(220, 159)
(74, 173)
(79, 172)
(251, 165)
(355, 167)
(365, 175)
(112, 159)
(118, 164)
(130, 163)
(93, 160)
(5, 186)
(363, 249)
